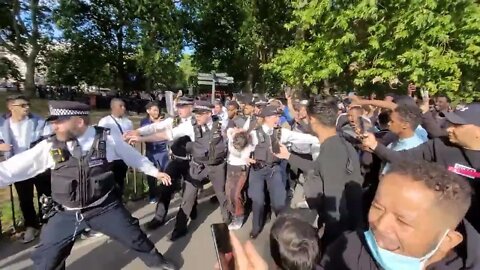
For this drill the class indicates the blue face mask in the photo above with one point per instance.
(393, 261)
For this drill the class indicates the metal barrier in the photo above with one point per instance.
(137, 194)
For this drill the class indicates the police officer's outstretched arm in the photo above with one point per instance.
(26, 164)
(134, 159)
(297, 137)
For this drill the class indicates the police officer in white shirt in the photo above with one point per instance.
(119, 124)
(179, 165)
(208, 151)
(267, 170)
(21, 130)
(80, 158)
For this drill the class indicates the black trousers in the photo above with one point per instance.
(111, 218)
(25, 196)
(217, 175)
(120, 171)
(176, 169)
(271, 177)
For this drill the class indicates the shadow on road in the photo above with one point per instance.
(111, 255)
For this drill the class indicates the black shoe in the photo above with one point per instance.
(254, 235)
(213, 200)
(193, 214)
(154, 224)
(178, 233)
(165, 265)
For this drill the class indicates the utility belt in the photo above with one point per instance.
(258, 165)
(50, 207)
(237, 168)
(204, 163)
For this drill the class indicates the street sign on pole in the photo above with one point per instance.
(214, 79)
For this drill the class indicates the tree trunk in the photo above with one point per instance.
(29, 85)
(120, 59)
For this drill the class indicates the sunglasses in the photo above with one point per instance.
(23, 105)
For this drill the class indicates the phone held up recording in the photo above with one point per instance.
(223, 247)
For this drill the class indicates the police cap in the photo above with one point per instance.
(62, 109)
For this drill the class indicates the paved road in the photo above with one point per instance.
(194, 251)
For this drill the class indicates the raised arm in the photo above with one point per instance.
(26, 164)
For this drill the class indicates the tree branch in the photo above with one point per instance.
(14, 13)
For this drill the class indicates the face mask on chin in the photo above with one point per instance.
(393, 261)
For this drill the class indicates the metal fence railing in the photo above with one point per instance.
(11, 216)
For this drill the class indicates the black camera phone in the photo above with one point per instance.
(223, 247)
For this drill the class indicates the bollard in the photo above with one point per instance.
(13, 209)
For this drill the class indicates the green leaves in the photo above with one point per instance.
(434, 43)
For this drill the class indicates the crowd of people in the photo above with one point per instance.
(393, 182)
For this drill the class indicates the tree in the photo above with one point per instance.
(187, 71)
(105, 26)
(364, 44)
(160, 40)
(238, 36)
(9, 69)
(23, 30)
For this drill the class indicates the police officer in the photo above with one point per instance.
(208, 153)
(179, 165)
(80, 158)
(266, 169)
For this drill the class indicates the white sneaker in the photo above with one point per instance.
(236, 224)
(302, 205)
(29, 235)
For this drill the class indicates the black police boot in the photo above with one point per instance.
(154, 224)
(193, 214)
(180, 229)
(254, 235)
(165, 265)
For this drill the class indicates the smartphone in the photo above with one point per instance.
(223, 248)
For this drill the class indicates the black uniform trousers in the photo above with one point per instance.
(25, 196)
(216, 174)
(176, 169)
(110, 218)
(272, 177)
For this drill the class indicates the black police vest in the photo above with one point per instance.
(179, 145)
(263, 150)
(79, 182)
(209, 147)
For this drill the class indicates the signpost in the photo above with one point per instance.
(214, 79)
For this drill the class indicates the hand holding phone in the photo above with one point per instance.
(240, 257)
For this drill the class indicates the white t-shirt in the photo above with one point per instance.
(109, 122)
(20, 138)
(235, 157)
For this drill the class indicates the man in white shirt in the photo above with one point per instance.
(80, 157)
(119, 124)
(238, 162)
(20, 131)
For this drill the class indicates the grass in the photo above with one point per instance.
(40, 107)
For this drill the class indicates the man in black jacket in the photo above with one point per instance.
(416, 222)
(333, 185)
(459, 152)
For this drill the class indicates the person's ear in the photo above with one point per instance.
(451, 240)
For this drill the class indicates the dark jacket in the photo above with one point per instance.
(334, 181)
(351, 252)
(441, 151)
(152, 148)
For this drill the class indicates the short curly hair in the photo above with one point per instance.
(453, 193)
